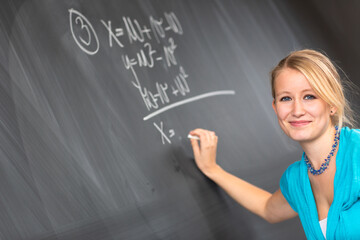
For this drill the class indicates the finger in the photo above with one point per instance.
(201, 133)
(206, 136)
(195, 147)
(212, 139)
(197, 131)
(194, 132)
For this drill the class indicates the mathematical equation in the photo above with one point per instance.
(130, 32)
(88, 40)
(155, 45)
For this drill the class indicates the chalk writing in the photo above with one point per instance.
(158, 29)
(144, 58)
(152, 44)
(181, 84)
(113, 36)
(156, 26)
(174, 23)
(189, 100)
(164, 136)
(135, 31)
(85, 35)
(169, 53)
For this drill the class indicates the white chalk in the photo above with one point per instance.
(193, 137)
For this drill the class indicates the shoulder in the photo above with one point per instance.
(293, 169)
(288, 182)
(350, 156)
(351, 136)
(291, 175)
(350, 142)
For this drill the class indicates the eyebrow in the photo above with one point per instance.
(287, 92)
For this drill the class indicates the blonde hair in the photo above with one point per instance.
(323, 78)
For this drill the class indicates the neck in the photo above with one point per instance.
(318, 149)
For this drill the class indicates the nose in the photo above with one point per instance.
(298, 109)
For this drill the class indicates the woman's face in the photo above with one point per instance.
(302, 115)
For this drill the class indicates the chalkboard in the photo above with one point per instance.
(97, 98)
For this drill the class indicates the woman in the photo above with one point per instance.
(309, 102)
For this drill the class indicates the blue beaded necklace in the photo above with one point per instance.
(324, 165)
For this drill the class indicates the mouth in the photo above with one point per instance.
(299, 123)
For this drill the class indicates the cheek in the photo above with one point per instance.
(319, 110)
(282, 111)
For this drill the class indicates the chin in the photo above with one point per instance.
(299, 138)
(298, 135)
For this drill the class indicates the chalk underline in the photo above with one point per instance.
(185, 101)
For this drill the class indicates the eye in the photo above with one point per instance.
(283, 99)
(309, 97)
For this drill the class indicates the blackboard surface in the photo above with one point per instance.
(97, 98)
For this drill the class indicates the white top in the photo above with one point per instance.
(323, 224)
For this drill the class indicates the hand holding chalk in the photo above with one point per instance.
(204, 149)
(193, 137)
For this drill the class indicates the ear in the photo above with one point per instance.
(274, 106)
(332, 110)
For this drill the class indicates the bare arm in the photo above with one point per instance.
(271, 207)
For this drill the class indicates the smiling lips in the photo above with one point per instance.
(299, 123)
